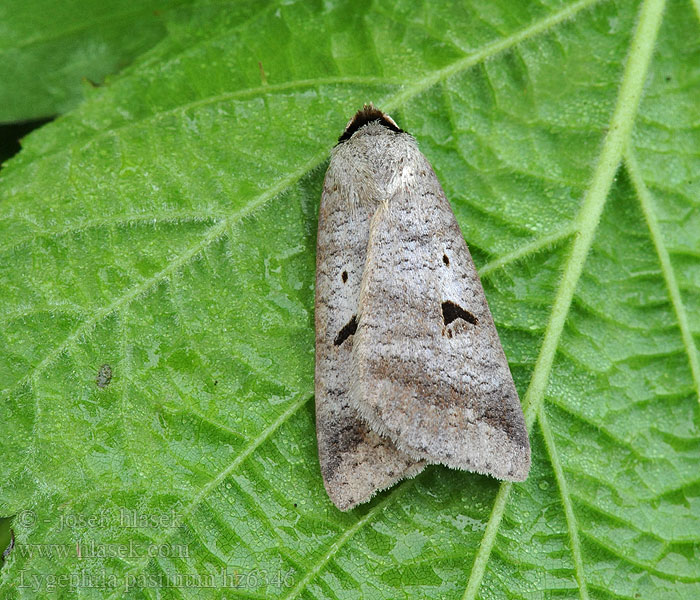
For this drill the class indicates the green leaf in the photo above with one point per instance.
(166, 227)
(48, 50)
(52, 53)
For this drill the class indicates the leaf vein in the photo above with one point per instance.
(235, 463)
(571, 522)
(532, 247)
(647, 204)
(489, 51)
(646, 565)
(397, 492)
(116, 222)
(212, 234)
(634, 75)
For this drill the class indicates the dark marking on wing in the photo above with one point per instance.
(349, 329)
(452, 311)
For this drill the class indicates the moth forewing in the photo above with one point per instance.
(409, 367)
(355, 461)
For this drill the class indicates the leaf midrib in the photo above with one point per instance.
(634, 75)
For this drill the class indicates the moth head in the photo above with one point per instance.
(368, 114)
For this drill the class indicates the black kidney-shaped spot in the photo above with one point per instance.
(452, 311)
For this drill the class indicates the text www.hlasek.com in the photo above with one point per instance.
(92, 549)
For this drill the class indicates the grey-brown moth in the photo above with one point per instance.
(409, 367)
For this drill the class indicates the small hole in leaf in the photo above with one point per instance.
(452, 311)
(346, 331)
(344, 276)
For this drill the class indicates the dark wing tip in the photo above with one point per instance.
(367, 114)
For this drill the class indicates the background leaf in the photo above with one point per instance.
(166, 227)
(49, 50)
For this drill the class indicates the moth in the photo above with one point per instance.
(409, 367)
